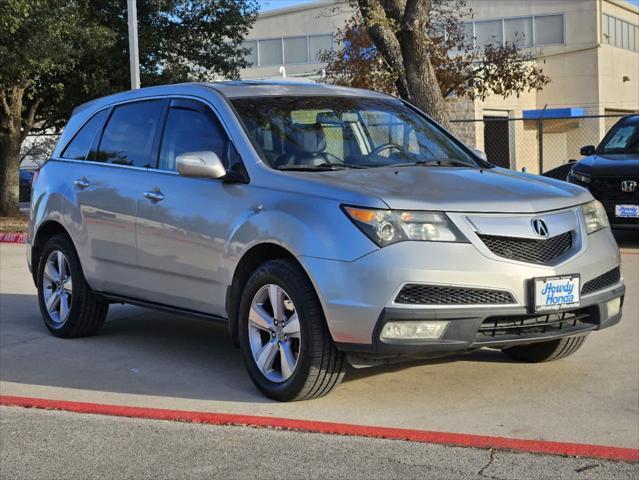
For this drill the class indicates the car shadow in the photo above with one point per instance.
(145, 352)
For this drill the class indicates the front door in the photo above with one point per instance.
(183, 223)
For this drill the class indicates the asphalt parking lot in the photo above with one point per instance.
(151, 359)
(60, 445)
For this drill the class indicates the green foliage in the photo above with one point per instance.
(57, 54)
(65, 52)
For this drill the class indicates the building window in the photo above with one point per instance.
(270, 52)
(620, 33)
(295, 50)
(251, 57)
(524, 31)
(287, 50)
(519, 31)
(549, 30)
(489, 32)
(318, 44)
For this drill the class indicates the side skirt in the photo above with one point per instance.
(112, 298)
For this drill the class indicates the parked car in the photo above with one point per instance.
(561, 172)
(611, 172)
(26, 177)
(323, 224)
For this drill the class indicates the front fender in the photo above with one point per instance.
(319, 230)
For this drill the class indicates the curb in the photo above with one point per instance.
(13, 237)
(422, 436)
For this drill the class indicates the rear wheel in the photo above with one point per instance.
(546, 351)
(287, 349)
(68, 307)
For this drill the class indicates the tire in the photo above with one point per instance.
(318, 365)
(546, 351)
(84, 313)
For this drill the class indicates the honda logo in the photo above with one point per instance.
(628, 186)
(540, 227)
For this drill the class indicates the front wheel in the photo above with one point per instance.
(546, 351)
(287, 349)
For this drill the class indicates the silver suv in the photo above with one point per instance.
(322, 224)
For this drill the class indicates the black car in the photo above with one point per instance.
(611, 172)
(26, 177)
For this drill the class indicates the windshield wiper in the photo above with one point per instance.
(321, 167)
(442, 162)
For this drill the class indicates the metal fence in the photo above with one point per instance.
(536, 145)
(36, 149)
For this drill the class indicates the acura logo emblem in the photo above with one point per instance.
(540, 227)
(628, 186)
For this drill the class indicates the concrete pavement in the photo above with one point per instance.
(62, 445)
(152, 359)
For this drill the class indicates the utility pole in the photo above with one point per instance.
(134, 56)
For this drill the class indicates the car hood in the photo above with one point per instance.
(614, 165)
(457, 189)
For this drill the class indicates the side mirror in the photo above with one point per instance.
(480, 153)
(587, 150)
(200, 165)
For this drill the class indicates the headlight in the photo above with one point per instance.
(594, 216)
(390, 226)
(580, 177)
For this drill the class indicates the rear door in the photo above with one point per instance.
(184, 224)
(108, 189)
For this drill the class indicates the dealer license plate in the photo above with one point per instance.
(556, 293)
(627, 211)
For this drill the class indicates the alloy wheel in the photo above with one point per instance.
(274, 333)
(57, 287)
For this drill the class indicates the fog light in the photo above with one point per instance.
(413, 330)
(613, 307)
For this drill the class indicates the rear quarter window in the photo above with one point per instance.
(78, 147)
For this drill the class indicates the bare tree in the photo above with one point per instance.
(419, 50)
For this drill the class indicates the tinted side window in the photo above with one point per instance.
(189, 130)
(79, 147)
(129, 135)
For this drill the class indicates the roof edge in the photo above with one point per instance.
(297, 8)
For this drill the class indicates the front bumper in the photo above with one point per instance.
(463, 331)
(359, 297)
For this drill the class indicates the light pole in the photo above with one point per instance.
(134, 57)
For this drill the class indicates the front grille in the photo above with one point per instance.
(415, 294)
(528, 249)
(531, 324)
(602, 281)
(609, 188)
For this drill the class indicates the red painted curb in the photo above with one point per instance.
(13, 237)
(425, 436)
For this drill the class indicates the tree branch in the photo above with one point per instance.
(381, 32)
(27, 122)
(415, 14)
(3, 103)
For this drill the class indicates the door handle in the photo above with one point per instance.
(81, 183)
(154, 195)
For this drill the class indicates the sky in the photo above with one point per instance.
(266, 5)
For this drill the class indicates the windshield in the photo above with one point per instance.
(623, 138)
(321, 132)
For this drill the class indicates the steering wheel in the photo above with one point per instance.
(387, 146)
